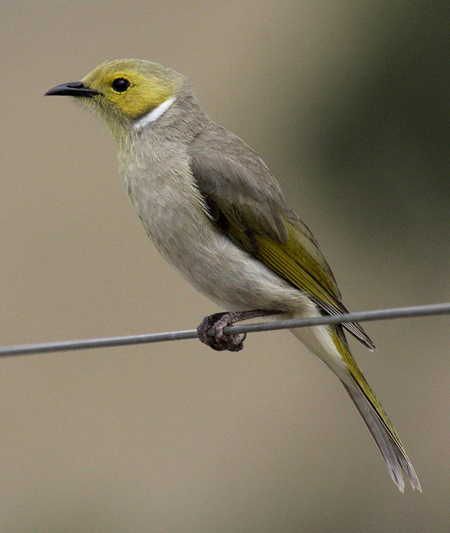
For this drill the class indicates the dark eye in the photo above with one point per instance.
(120, 85)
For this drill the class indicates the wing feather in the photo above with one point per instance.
(239, 189)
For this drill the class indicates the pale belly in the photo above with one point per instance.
(219, 269)
(214, 265)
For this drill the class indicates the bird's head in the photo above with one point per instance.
(127, 93)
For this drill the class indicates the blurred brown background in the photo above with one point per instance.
(348, 103)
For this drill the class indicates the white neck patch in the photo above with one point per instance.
(154, 114)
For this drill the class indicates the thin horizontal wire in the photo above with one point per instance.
(364, 316)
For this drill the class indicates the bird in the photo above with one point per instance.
(216, 213)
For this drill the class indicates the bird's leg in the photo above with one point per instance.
(219, 321)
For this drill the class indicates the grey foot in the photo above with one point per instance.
(220, 341)
(219, 321)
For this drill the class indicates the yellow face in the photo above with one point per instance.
(129, 89)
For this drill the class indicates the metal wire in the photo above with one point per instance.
(105, 342)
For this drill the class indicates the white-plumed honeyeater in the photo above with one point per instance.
(216, 213)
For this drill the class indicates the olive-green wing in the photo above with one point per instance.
(244, 201)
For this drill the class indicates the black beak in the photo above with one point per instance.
(74, 88)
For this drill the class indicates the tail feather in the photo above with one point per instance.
(330, 346)
(390, 447)
(375, 418)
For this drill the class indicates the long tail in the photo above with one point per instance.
(330, 345)
(390, 446)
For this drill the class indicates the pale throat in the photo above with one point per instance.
(154, 114)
